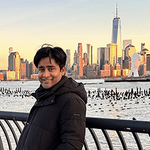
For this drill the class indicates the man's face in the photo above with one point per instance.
(49, 73)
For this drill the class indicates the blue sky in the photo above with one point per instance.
(25, 25)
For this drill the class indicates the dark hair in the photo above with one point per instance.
(56, 53)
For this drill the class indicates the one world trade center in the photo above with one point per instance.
(116, 34)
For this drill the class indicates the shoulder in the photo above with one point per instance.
(71, 101)
(70, 97)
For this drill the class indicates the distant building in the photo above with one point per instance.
(75, 71)
(85, 59)
(22, 68)
(111, 54)
(32, 69)
(142, 70)
(89, 54)
(34, 76)
(148, 64)
(68, 60)
(144, 53)
(125, 72)
(1, 76)
(27, 69)
(145, 62)
(89, 71)
(9, 75)
(106, 72)
(116, 34)
(80, 59)
(75, 57)
(101, 56)
(125, 44)
(14, 63)
(116, 72)
(127, 53)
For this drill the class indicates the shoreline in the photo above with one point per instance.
(128, 79)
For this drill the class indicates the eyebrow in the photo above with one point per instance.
(49, 66)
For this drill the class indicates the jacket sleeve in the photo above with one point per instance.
(72, 124)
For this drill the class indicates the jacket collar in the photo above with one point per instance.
(47, 96)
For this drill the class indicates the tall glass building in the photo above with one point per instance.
(116, 34)
(90, 54)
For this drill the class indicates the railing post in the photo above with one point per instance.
(1, 144)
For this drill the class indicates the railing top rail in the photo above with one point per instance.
(18, 116)
(99, 123)
(119, 125)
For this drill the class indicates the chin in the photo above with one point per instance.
(46, 86)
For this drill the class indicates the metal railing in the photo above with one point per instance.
(12, 123)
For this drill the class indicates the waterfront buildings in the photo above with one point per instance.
(106, 64)
(112, 60)
(18, 68)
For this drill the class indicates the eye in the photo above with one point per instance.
(41, 69)
(50, 69)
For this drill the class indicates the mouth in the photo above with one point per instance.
(46, 80)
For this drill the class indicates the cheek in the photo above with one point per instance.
(39, 75)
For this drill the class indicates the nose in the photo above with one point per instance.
(46, 73)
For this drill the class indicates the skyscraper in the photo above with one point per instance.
(116, 34)
(111, 54)
(125, 44)
(68, 59)
(14, 63)
(22, 68)
(75, 57)
(80, 59)
(32, 69)
(85, 59)
(101, 51)
(127, 53)
(89, 54)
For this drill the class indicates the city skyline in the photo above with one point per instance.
(26, 25)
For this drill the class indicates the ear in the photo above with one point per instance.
(63, 70)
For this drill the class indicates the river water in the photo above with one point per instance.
(116, 100)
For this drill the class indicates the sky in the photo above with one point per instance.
(26, 24)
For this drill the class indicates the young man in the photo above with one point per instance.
(57, 119)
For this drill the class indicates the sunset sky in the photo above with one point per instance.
(26, 24)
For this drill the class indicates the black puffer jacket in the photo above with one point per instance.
(57, 120)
